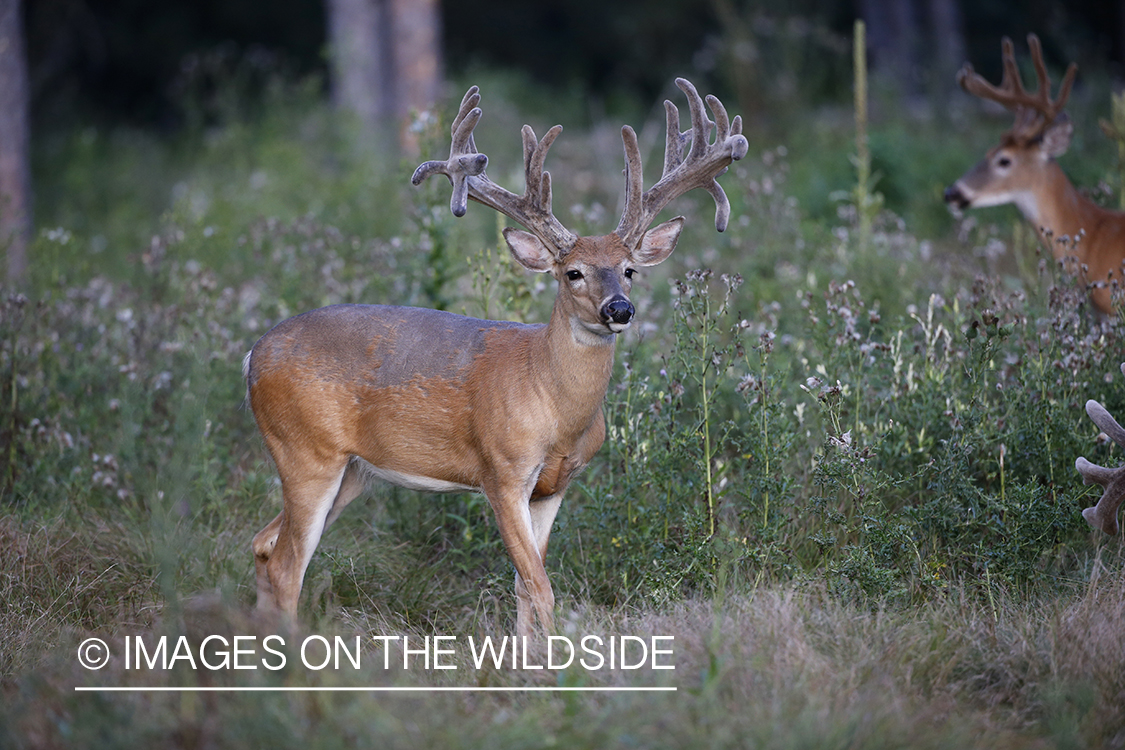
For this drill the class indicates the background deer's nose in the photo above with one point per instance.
(618, 310)
(954, 195)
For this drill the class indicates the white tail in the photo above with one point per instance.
(1022, 170)
(440, 402)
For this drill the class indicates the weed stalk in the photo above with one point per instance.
(867, 202)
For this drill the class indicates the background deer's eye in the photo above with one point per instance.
(574, 275)
(1004, 161)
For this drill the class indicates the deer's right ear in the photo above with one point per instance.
(529, 250)
(1056, 139)
(658, 242)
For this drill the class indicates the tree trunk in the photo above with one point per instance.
(892, 40)
(948, 40)
(417, 62)
(360, 62)
(1120, 31)
(386, 63)
(15, 162)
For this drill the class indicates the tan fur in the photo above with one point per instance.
(514, 411)
(1070, 224)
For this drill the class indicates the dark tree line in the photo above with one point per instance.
(117, 58)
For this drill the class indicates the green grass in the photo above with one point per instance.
(839, 472)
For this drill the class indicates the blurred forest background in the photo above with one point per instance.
(146, 65)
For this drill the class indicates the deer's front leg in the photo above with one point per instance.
(520, 528)
(543, 511)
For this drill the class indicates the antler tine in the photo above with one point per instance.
(465, 170)
(1010, 93)
(464, 161)
(1034, 111)
(1050, 108)
(1104, 515)
(534, 156)
(1011, 81)
(1044, 80)
(722, 120)
(461, 136)
(700, 125)
(703, 164)
(676, 141)
(1105, 422)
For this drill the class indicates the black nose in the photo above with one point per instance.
(954, 195)
(619, 310)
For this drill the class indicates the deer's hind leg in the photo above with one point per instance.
(282, 550)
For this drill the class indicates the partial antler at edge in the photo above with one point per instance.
(1104, 515)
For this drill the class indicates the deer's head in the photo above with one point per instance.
(1016, 169)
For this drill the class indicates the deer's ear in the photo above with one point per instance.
(1056, 139)
(528, 250)
(658, 242)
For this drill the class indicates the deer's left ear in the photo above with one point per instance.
(529, 250)
(658, 242)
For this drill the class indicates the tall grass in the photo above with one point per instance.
(839, 468)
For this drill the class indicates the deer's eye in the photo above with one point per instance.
(1004, 161)
(574, 275)
(629, 273)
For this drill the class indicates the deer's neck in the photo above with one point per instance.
(576, 364)
(1063, 217)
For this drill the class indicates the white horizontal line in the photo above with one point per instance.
(374, 689)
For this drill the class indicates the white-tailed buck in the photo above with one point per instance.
(1022, 170)
(440, 402)
(1104, 515)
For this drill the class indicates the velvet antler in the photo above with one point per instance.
(1034, 111)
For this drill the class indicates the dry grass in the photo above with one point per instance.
(784, 667)
(57, 581)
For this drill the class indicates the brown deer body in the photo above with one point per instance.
(440, 402)
(1022, 170)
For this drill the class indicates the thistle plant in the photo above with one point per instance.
(701, 354)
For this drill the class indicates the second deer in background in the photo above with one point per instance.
(1022, 170)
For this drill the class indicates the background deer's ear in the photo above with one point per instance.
(529, 250)
(1056, 139)
(658, 242)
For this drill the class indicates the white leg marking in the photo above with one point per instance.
(318, 522)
